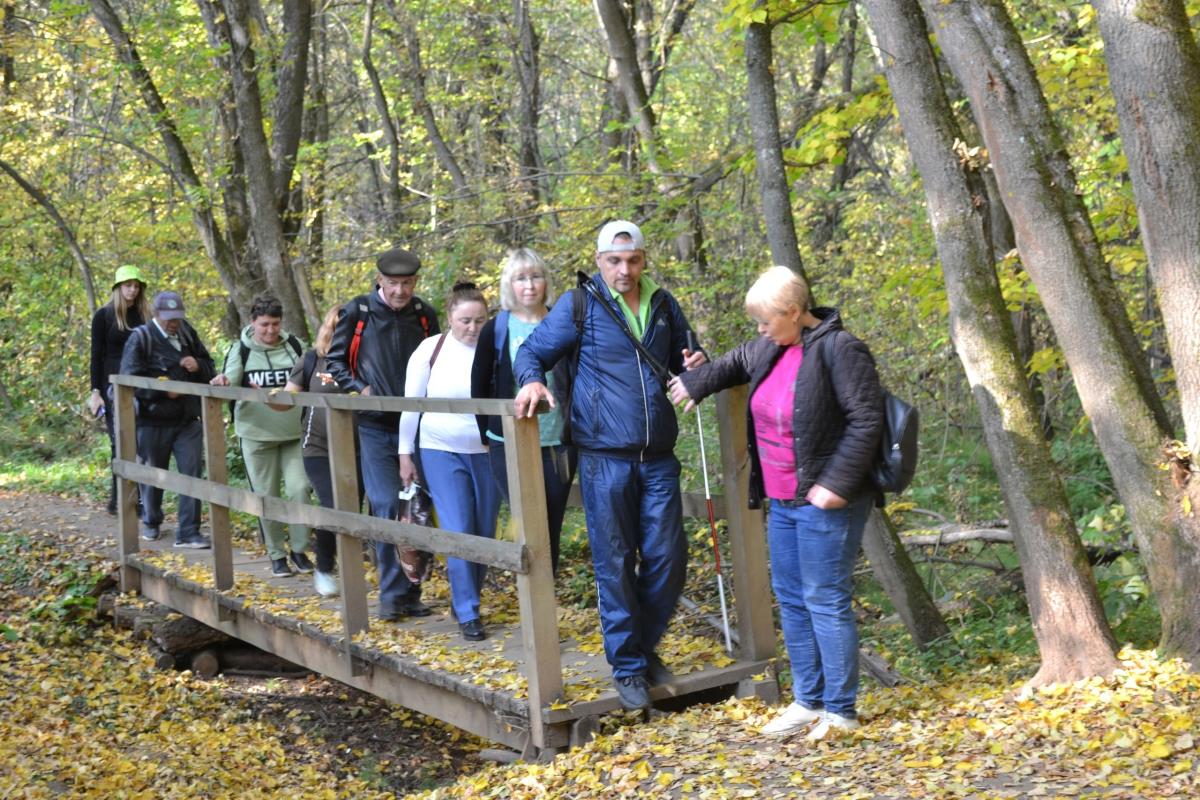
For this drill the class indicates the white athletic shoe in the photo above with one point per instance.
(792, 719)
(325, 583)
(831, 725)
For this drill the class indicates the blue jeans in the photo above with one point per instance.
(156, 444)
(558, 471)
(466, 501)
(635, 528)
(380, 464)
(812, 563)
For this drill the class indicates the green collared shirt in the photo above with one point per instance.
(637, 322)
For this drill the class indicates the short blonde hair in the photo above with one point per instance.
(776, 291)
(518, 259)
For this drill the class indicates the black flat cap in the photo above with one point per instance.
(398, 261)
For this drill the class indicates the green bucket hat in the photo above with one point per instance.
(128, 272)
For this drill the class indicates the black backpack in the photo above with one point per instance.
(896, 463)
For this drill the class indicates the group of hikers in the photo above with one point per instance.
(611, 359)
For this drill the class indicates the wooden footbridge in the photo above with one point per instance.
(538, 684)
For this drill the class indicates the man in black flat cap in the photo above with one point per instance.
(372, 343)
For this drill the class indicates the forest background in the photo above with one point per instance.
(232, 147)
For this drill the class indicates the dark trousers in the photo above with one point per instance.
(325, 542)
(156, 444)
(558, 469)
(635, 527)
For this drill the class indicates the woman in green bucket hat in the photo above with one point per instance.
(111, 326)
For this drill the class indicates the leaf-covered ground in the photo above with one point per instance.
(86, 715)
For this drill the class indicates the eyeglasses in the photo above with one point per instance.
(528, 278)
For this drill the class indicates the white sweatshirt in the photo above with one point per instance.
(451, 377)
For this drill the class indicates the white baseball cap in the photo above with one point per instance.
(611, 230)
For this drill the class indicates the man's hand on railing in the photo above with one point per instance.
(530, 396)
(219, 380)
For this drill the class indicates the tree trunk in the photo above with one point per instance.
(420, 99)
(394, 200)
(527, 70)
(1060, 251)
(899, 578)
(288, 110)
(8, 62)
(265, 222)
(773, 186)
(1154, 70)
(1073, 636)
(236, 282)
(85, 268)
(318, 126)
(622, 50)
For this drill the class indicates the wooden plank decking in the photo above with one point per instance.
(492, 706)
(539, 680)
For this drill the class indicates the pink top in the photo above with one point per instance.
(771, 408)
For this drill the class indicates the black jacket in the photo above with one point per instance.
(108, 343)
(838, 411)
(389, 338)
(148, 353)
(492, 377)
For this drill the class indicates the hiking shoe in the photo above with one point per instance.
(473, 631)
(325, 583)
(151, 533)
(832, 725)
(280, 568)
(794, 718)
(301, 562)
(632, 692)
(197, 542)
(657, 673)
(415, 608)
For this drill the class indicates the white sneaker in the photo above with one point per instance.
(792, 719)
(831, 725)
(325, 583)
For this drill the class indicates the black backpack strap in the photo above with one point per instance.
(310, 366)
(294, 343)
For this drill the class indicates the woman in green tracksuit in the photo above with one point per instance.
(270, 438)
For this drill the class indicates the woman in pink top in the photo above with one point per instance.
(815, 417)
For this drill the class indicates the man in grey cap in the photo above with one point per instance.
(168, 423)
(369, 353)
(624, 426)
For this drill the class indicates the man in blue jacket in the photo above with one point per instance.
(625, 428)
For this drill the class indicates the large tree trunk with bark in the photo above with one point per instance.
(1059, 249)
(1073, 636)
(1154, 73)
(265, 221)
(237, 282)
(773, 186)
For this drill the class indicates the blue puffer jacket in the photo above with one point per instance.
(618, 405)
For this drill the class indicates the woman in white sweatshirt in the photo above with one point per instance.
(455, 462)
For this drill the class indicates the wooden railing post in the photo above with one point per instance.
(127, 519)
(747, 541)
(343, 468)
(218, 472)
(535, 589)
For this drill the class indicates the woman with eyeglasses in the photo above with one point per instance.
(525, 299)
